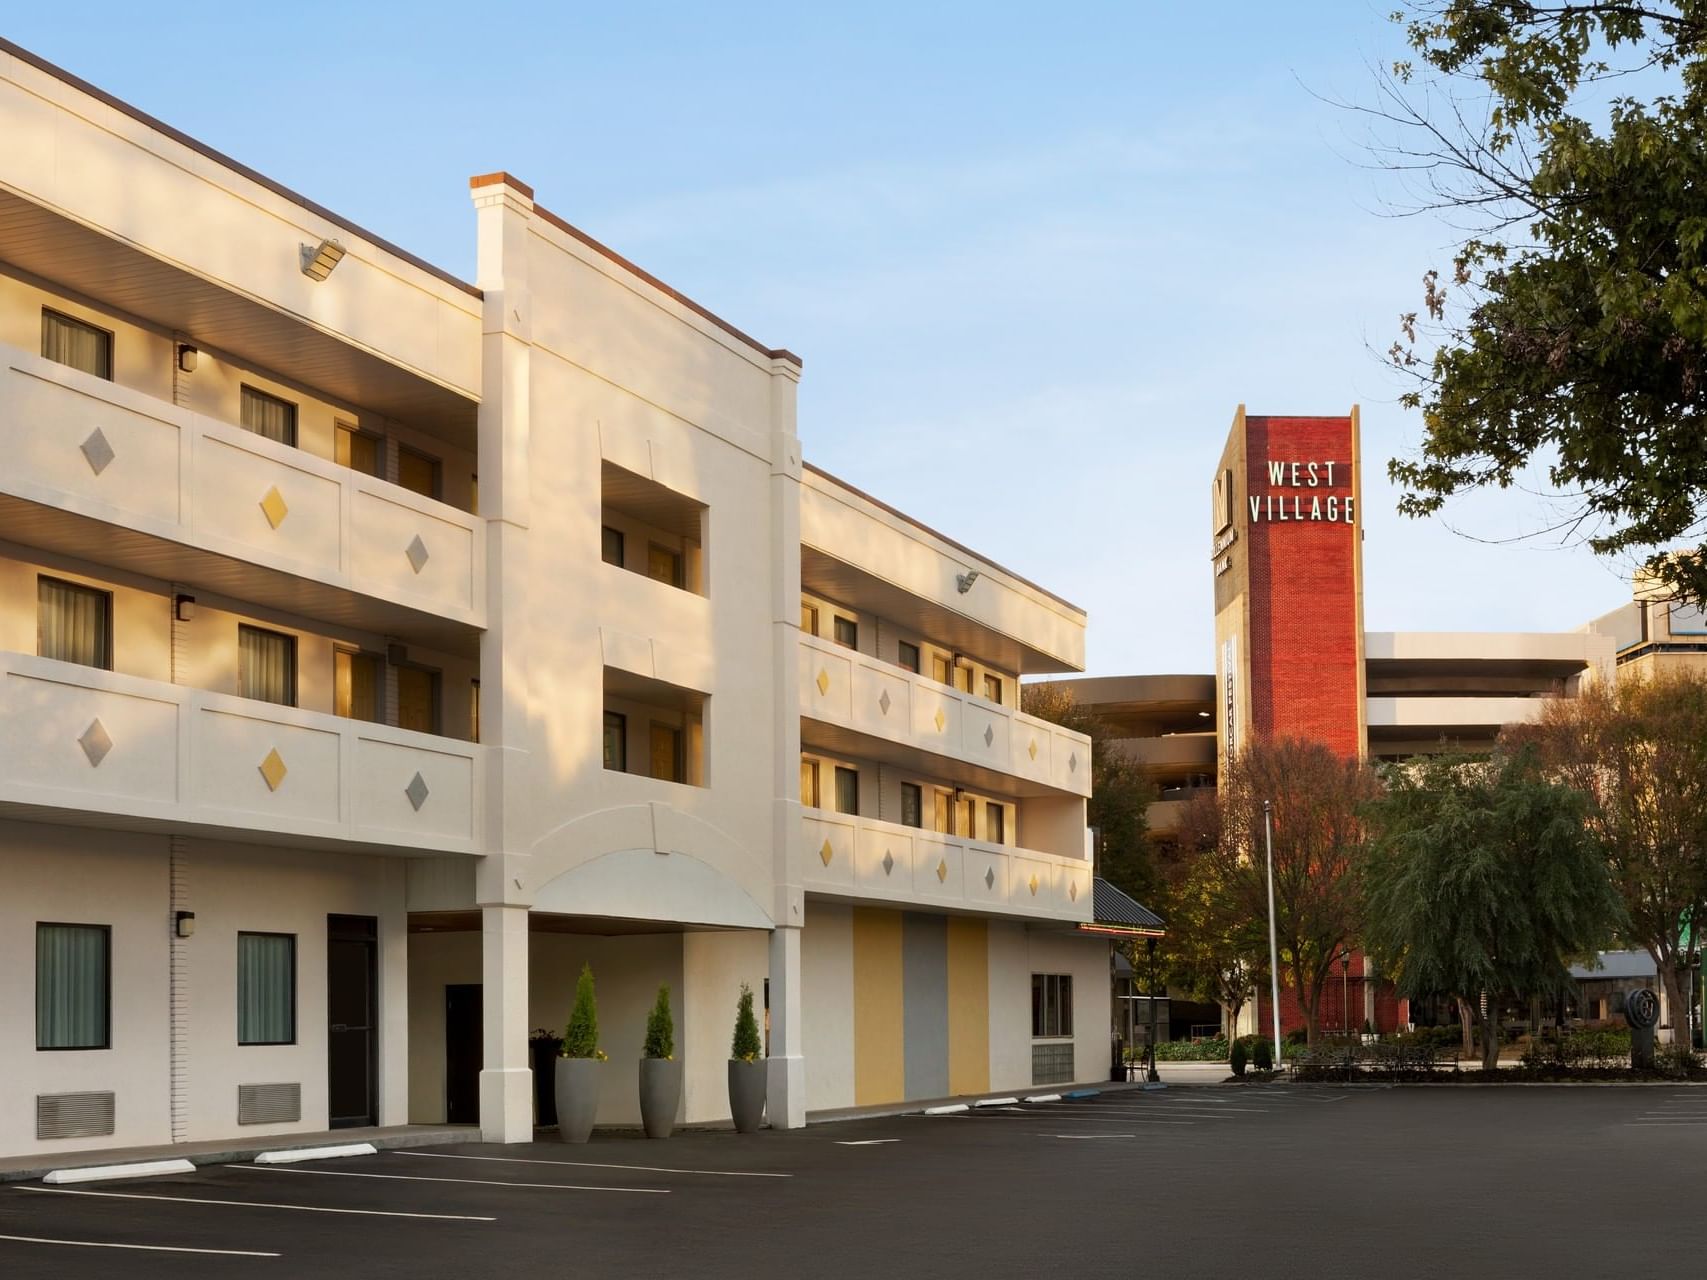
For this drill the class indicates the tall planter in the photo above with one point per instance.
(747, 1094)
(577, 1093)
(660, 1095)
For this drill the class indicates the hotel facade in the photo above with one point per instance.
(377, 648)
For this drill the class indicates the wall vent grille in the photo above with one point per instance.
(74, 1115)
(1052, 1063)
(269, 1103)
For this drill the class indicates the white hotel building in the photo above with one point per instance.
(377, 647)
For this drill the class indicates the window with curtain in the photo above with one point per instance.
(73, 986)
(1051, 1005)
(995, 822)
(908, 655)
(268, 416)
(847, 790)
(616, 741)
(266, 665)
(71, 342)
(912, 805)
(74, 623)
(266, 988)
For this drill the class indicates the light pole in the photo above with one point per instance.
(1345, 1000)
(1152, 1076)
(1273, 946)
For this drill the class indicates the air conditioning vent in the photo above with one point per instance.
(269, 1103)
(74, 1115)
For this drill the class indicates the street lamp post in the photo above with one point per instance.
(1345, 999)
(1273, 945)
(1152, 1075)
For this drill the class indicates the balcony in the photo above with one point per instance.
(91, 747)
(321, 538)
(865, 859)
(858, 694)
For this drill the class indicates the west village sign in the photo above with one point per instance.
(1301, 475)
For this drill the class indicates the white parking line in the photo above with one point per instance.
(593, 1164)
(147, 1248)
(255, 1204)
(1048, 1118)
(866, 1142)
(471, 1182)
(1087, 1137)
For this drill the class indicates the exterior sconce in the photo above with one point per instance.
(184, 923)
(183, 607)
(397, 655)
(188, 357)
(319, 259)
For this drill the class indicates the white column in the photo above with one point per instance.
(506, 1082)
(785, 1099)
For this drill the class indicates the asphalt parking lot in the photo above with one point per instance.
(1275, 1180)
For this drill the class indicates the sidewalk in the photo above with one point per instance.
(228, 1150)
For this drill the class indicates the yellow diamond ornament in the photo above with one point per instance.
(273, 507)
(942, 871)
(826, 853)
(273, 769)
(823, 682)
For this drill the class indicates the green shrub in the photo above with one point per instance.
(581, 1038)
(1237, 1060)
(660, 1027)
(1263, 1054)
(1191, 1051)
(746, 1045)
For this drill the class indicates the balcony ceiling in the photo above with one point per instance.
(836, 740)
(113, 274)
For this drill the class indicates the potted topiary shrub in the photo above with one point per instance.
(577, 1082)
(1236, 1059)
(660, 1073)
(746, 1068)
(1262, 1052)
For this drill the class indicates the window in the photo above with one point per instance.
(268, 416)
(266, 665)
(74, 623)
(847, 790)
(474, 711)
(616, 742)
(664, 565)
(995, 822)
(1051, 1005)
(611, 546)
(809, 619)
(993, 687)
(418, 699)
(847, 632)
(418, 472)
(909, 657)
(356, 681)
(912, 805)
(72, 342)
(809, 785)
(74, 978)
(962, 677)
(942, 670)
(358, 450)
(266, 988)
(667, 753)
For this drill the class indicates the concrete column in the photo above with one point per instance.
(786, 1099)
(506, 1082)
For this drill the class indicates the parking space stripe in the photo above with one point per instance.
(254, 1204)
(593, 1164)
(1048, 1119)
(147, 1248)
(471, 1182)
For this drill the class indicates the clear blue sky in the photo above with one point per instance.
(1033, 257)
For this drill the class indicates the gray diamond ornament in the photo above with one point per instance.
(417, 792)
(989, 877)
(883, 701)
(888, 862)
(417, 553)
(97, 452)
(989, 735)
(96, 742)
(1073, 761)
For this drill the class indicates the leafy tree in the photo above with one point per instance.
(581, 1038)
(1575, 336)
(1482, 879)
(1638, 751)
(660, 1027)
(1214, 948)
(746, 1044)
(1319, 845)
(1120, 793)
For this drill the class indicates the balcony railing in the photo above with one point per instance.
(841, 686)
(77, 741)
(854, 857)
(97, 449)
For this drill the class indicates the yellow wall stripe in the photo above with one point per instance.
(879, 1030)
(968, 1005)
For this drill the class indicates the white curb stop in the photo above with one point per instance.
(101, 1172)
(950, 1109)
(298, 1154)
(996, 1102)
(1044, 1097)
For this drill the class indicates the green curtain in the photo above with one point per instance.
(82, 346)
(266, 665)
(266, 988)
(73, 623)
(269, 416)
(72, 973)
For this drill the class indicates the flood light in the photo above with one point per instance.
(318, 260)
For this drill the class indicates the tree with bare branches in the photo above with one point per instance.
(1319, 846)
(1638, 751)
(1568, 144)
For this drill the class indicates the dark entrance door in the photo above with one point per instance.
(352, 1015)
(462, 1053)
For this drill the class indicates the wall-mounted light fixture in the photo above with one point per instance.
(188, 357)
(397, 655)
(183, 607)
(319, 259)
(963, 581)
(184, 923)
